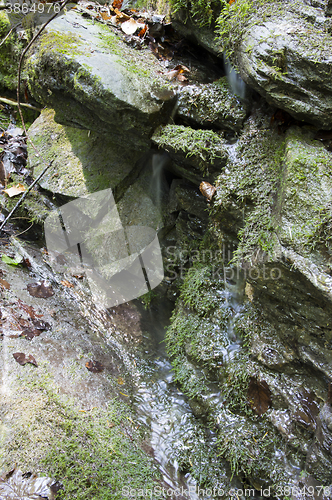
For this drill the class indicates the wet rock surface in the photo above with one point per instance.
(289, 69)
(250, 340)
(83, 162)
(74, 65)
(61, 407)
(212, 105)
(272, 177)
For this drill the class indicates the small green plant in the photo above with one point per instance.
(147, 298)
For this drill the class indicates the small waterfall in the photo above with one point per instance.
(235, 81)
(157, 187)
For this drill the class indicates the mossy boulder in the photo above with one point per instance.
(95, 81)
(212, 105)
(83, 162)
(197, 154)
(282, 50)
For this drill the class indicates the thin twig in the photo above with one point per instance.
(20, 69)
(21, 115)
(14, 103)
(9, 33)
(24, 195)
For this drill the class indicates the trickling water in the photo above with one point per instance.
(157, 187)
(158, 402)
(235, 81)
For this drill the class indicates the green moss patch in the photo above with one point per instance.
(251, 183)
(94, 454)
(9, 54)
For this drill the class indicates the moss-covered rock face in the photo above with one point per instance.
(274, 197)
(197, 154)
(215, 374)
(212, 105)
(94, 81)
(9, 55)
(83, 162)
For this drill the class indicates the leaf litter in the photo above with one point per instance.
(141, 29)
(94, 366)
(23, 359)
(40, 290)
(22, 321)
(259, 396)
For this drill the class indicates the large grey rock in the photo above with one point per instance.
(286, 56)
(82, 162)
(95, 81)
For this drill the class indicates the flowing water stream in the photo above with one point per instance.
(156, 400)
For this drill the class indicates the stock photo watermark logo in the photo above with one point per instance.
(180, 261)
(86, 236)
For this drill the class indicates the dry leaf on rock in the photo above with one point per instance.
(94, 366)
(117, 4)
(67, 284)
(4, 284)
(105, 16)
(22, 359)
(177, 73)
(15, 190)
(40, 290)
(121, 17)
(207, 190)
(18, 486)
(143, 31)
(259, 396)
(131, 26)
(30, 333)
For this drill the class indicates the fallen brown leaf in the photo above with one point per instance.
(143, 31)
(105, 16)
(117, 4)
(40, 290)
(121, 17)
(22, 359)
(207, 190)
(67, 284)
(4, 284)
(94, 366)
(29, 310)
(30, 333)
(259, 396)
(15, 190)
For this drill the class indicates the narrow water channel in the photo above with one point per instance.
(157, 402)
